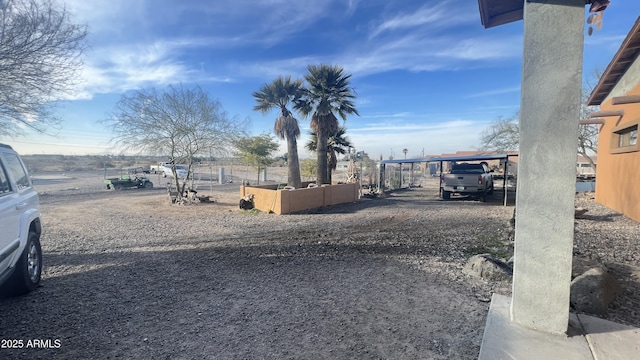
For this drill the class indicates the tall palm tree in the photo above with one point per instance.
(328, 93)
(279, 94)
(337, 143)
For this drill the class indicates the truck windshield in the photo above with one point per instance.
(467, 169)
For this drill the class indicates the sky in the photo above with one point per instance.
(428, 77)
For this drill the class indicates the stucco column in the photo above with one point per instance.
(549, 114)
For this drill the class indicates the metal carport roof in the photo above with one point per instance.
(449, 158)
(455, 158)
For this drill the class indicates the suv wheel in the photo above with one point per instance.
(28, 268)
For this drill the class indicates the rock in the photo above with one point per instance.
(580, 211)
(486, 267)
(593, 291)
(583, 262)
(510, 261)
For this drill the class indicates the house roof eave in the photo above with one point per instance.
(622, 60)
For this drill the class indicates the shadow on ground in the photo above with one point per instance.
(244, 302)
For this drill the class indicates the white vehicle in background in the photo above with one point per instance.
(159, 167)
(20, 227)
(181, 171)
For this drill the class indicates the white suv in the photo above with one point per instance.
(20, 252)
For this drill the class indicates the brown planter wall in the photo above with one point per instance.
(268, 199)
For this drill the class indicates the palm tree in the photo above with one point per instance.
(328, 93)
(279, 94)
(337, 143)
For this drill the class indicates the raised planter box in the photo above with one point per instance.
(272, 198)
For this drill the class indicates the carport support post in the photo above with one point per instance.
(549, 114)
(221, 175)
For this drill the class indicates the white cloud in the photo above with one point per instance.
(483, 49)
(296, 67)
(430, 17)
(128, 50)
(423, 16)
(116, 69)
(106, 17)
(415, 53)
(409, 52)
(494, 92)
(384, 138)
(138, 56)
(598, 40)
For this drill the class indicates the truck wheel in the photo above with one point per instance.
(483, 197)
(117, 187)
(446, 195)
(148, 185)
(28, 268)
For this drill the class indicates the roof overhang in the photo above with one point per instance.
(622, 60)
(500, 12)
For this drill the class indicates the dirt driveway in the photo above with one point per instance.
(128, 276)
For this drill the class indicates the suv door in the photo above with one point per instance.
(9, 219)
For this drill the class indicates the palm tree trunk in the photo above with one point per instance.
(293, 165)
(332, 162)
(323, 177)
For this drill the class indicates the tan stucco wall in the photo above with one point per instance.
(268, 199)
(618, 175)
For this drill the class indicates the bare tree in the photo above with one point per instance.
(588, 142)
(40, 57)
(588, 133)
(179, 123)
(502, 135)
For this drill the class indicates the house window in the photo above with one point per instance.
(625, 138)
(628, 137)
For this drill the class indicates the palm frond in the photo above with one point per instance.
(336, 143)
(286, 126)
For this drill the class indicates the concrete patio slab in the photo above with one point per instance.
(609, 340)
(588, 338)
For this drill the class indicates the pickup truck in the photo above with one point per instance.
(467, 179)
(181, 171)
(159, 168)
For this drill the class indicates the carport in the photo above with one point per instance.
(442, 160)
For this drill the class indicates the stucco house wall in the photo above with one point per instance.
(618, 170)
(618, 173)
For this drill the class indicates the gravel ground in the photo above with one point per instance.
(129, 276)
